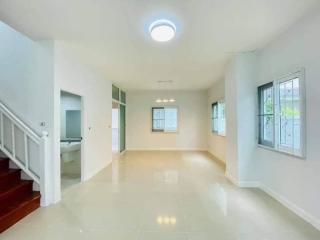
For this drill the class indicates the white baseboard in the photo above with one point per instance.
(293, 207)
(249, 184)
(219, 159)
(242, 184)
(285, 202)
(231, 178)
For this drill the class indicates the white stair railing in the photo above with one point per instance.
(28, 150)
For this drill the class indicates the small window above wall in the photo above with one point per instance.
(282, 114)
(218, 121)
(164, 119)
(123, 97)
(115, 93)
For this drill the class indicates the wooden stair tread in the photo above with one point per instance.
(12, 214)
(14, 186)
(4, 173)
(15, 205)
(17, 199)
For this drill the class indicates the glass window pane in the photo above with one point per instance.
(215, 116)
(157, 119)
(171, 124)
(268, 128)
(215, 124)
(123, 97)
(158, 124)
(289, 97)
(266, 115)
(158, 113)
(115, 92)
(268, 101)
(221, 118)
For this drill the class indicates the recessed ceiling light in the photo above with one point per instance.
(172, 100)
(159, 101)
(165, 100)
(162, 30)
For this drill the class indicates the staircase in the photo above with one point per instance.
(17, 199)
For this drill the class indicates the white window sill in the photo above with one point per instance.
(281, 152)
(168, 132)
(217, 134)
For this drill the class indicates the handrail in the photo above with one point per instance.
(15, 119)
(28, 150)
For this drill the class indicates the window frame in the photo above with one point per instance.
(164, 130)
(218, 119)
(261, 114)
(301, 153)
(213, 105)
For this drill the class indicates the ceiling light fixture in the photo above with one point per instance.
(162, 30)
(165, 100)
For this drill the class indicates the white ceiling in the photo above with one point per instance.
(111, 35)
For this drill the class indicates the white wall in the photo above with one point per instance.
(31, 77)
(26, 77)
(292, 179)
(75, 77)
(68, 102)
(192, 119)
(216, 143)
(26, 80)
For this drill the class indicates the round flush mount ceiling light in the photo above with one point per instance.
(162, 30)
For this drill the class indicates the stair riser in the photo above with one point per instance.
(9, 179)
(18, 214)
(17, 193)
(4, 164)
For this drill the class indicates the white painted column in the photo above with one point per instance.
(241, 114)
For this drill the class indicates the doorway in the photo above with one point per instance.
(118, 128)
(118, 121)
(70, 139)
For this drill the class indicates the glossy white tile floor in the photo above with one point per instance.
(163, 195)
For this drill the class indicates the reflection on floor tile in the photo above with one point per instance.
(162, 195)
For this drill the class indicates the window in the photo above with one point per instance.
(218, 120)
(115, 92)
(164, 119)
(266, 115)
(281, 114)
(215, 117)
(123, 97)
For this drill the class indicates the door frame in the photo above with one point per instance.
(119, 122)
(57, 137)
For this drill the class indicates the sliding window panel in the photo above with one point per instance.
(171, 119)
(158, 116)
(290, 124)
(215, 118)
(266, 115)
